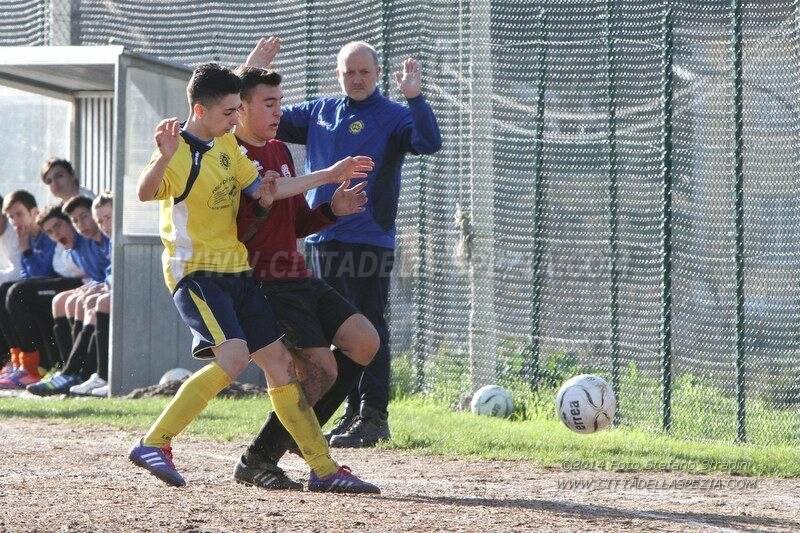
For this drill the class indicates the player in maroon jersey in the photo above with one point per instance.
(313, 315)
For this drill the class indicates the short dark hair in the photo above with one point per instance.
(211, 82)
(52, 211)
(105, 198)
(58, 162)
(21, 196)
(75, 202)
(252, 77)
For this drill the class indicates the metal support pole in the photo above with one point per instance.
(538, 208)
(736, 8)
(613, 201)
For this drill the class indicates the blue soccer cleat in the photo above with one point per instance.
(157, 461)
(58, 384)
(343, 481)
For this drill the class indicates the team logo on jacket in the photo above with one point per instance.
(285, 171)
(224, 160)
(356, 127)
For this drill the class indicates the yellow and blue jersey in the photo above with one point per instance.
(199, 197)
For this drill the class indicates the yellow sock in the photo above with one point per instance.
(188, 402)
(300, 421)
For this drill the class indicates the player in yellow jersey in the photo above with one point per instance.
(197, 173)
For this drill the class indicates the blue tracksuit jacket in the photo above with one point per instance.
(334, 128)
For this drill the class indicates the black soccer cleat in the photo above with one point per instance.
(263, 473)
(342, 425)
(371, 427)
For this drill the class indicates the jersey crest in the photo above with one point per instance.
(356, 127)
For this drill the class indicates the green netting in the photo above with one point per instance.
(537, 244)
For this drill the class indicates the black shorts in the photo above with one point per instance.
(310, 310)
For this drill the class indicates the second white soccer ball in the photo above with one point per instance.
(586, 403)
(492, 400)
(176, 374)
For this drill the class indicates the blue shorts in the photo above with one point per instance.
(219, 307)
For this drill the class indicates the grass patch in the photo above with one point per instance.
(427, 426)
(700, 410)
(224, 419)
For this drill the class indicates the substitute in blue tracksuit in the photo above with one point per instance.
(26, 318)
(93, 256)
(355, 253)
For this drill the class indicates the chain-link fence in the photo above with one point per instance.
(24, 22)
(618, 190)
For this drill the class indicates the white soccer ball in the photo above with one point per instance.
(492, 400)
(176, 374)
(586, 403)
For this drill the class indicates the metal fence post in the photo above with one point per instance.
(538, 208)
(613, 201)
(736, 7)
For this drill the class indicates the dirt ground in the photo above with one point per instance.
(54, 477)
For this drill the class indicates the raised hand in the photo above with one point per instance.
(409, 78)
(166, 136)
(264, 52)
(23, 235)
(349, 168)
(347, 200)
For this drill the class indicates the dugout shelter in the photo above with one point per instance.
(98, 106)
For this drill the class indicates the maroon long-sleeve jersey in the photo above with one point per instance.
(272, 240)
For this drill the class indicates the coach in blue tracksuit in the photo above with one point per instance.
(355, 253)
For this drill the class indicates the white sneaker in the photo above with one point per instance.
(100, 392)
(88, 386)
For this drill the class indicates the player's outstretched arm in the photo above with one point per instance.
(353, 167)
(266, 191)
(264, 52)
(263, 191)
(166, 138)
